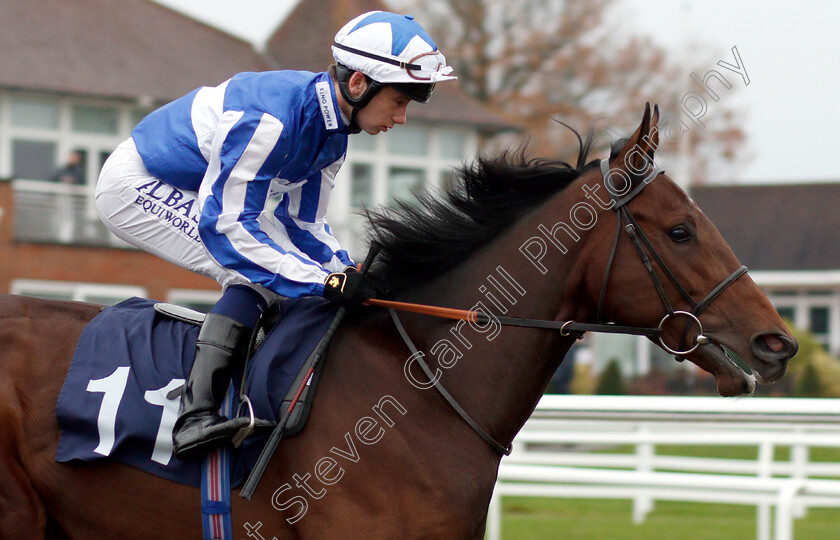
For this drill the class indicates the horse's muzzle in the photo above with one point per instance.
(772, 352)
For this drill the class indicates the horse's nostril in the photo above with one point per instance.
(774, 347)
(773, 343)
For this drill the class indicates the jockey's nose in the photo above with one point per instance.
(400, 114)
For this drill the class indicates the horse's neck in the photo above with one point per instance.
(504, 370)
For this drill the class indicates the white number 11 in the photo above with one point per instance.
(113, 388)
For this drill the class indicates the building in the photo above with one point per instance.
(788, 236)
(75, 77)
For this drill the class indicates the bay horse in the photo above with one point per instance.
(382, 456)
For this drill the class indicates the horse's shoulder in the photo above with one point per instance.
(12, 305)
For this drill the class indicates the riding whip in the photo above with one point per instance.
(250, 485)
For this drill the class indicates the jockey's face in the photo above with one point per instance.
(386, 109)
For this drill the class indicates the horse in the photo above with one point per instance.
(382, 456)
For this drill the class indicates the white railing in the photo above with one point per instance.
(560, 453)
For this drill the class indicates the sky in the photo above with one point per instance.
(789, 51)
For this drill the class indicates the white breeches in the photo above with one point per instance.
(157, 218)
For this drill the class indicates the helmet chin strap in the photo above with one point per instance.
(343, 75)
(354, 126)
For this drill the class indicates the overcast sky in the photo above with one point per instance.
(789, 50)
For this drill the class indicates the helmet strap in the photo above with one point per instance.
(343, 75)
(354, 126)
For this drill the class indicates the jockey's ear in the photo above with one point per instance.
(357, 84)
(637, 154)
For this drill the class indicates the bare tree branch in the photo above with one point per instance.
(534, 60)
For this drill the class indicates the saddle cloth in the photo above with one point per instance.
(114, 402)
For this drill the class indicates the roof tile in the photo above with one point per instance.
(777, 227)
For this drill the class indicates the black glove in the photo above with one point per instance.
(348, 287)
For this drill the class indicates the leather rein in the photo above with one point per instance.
(648, 256)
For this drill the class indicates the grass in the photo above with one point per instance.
(532, 518)
(536, 518)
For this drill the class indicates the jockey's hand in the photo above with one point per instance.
(348, 287)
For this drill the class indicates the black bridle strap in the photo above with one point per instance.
(704, 303)
(635, 233)
(570, 327)
(418, 356)
(638, 232)
(722, 286)
(603, 299)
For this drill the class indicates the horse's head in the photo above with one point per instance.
(693, 267)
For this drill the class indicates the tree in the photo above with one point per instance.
(539, 60)
(611, 382)
(813, 371)
(809, 384)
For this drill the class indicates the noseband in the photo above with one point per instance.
(644, 246)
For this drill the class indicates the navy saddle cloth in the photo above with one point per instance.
(114, 400)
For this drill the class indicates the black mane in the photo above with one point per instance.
(423, 238)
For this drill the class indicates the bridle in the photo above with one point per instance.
(643, 245)
(648, 255)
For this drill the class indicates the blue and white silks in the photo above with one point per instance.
(262, 151)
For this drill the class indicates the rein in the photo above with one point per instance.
(566, 328)
(647, 254)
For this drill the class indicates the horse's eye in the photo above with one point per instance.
(680, 233)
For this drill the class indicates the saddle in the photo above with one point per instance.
(121, 395)
(258, 426)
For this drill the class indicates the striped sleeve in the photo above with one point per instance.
(246, 153)
(306, 223)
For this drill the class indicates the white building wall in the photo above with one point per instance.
(411, 158)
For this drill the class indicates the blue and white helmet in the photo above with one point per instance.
(391, 49)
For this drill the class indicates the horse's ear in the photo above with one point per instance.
(637, 154)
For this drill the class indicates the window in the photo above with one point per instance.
(410, 141)
(813, 310)
(95, 119)
(819, 292)
(33, 160)
(449, 179)
(818, 322)
(361, 187)
(406, 160)
(451, 145)
(139, 114)
(403, 182)
(33, 113)
(787, 312)
(55, 148)
(362, 142)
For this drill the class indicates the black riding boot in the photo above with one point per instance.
(221, 344)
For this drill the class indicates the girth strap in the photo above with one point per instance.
(443, 392)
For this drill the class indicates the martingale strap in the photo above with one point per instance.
(418, 356)
(648, 255)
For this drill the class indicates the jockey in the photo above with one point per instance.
(233, 182)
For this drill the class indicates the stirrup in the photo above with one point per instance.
(253, 423)
(212, 437)
(243, 433)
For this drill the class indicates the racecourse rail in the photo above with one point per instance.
(560, 453)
